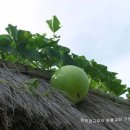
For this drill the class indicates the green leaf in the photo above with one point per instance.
(33, 83)
(5, 43)
(54, 24)
(128, 90)
(81, 61)
(61, 49)
(120, 90)
(115, 87)
(23, 36)
(93, 84)
(66, 59)
(12, 31)
(42, 42)
(52, 53)
(29, 50)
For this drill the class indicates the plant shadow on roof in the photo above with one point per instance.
(20, 110)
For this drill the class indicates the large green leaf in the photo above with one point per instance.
(23, 36)
(51, 53)
(62, 49)
(12, 31)
(42, 42)
(54, 24)
(66, 59)
(23, 40)
(5, 43)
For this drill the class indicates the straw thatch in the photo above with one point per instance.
(21, 110)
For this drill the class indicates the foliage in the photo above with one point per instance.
(32, 86)
(38, 51)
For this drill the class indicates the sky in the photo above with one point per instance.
(98, 29)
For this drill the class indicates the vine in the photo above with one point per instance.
(38, 51)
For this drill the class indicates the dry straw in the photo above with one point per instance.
(21, 110)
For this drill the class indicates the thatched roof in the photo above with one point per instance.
(21, 110)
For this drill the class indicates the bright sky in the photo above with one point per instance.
(98, 29)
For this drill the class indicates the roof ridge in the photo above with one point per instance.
(110, 96)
